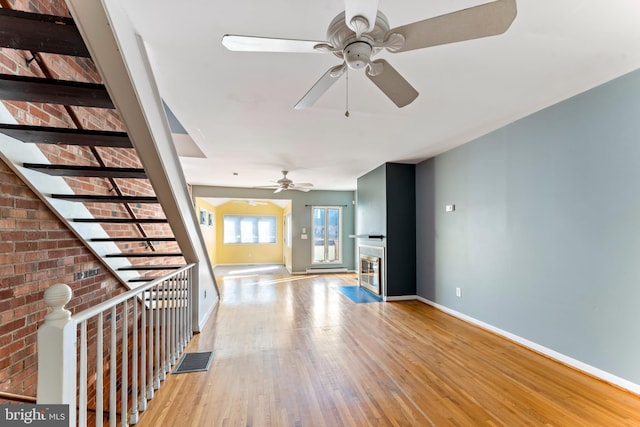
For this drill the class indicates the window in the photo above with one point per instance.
(327, 234)
(249, 229)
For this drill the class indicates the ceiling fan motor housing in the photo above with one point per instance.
(357, 55)
(356, 51)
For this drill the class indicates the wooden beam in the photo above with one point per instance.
(51, 91)
(87, 171)
(68, 136)
(40, 33)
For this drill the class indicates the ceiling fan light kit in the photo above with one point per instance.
(362, 31)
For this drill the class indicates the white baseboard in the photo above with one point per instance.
(206, 317)
(569, 361)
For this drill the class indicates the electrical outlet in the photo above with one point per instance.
(458, 292)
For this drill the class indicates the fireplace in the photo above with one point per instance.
(371, 268)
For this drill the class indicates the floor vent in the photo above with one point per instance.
(194, 362)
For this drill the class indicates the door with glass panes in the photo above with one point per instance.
(327, 236)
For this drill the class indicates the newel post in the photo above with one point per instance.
(57, 352)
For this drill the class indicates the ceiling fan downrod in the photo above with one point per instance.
(346, 113)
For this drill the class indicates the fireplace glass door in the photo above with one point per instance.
(370, 273)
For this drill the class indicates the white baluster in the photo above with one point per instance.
(191, 311)
(82, 406)
(151, 311)
(174, 301)
(112, 371)
(133, 417)
(163, 367)
(57, 352)
(99, 372)
(158, 367)
(125, 366)
(143, 356)
(183, 311)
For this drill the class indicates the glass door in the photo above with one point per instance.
(327, 241)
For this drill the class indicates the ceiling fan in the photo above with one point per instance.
(250, 202)
(362, 31)
(285, 183)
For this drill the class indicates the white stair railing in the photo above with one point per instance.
(153, 325)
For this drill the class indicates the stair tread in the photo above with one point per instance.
(132, 239)
(151, 267)
(25, 30)
(87, 171)
(143, 254)
(146, 279)
(52, 91)
(122, 220)
(68, 136)
(105, 199)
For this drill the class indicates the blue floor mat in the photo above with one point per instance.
(358, 295)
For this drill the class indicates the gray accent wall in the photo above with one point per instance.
(544, 241)
(386, 206)
(300, 217)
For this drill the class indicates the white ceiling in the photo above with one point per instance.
(238, 106)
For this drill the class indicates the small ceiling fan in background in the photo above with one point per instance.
(250, 202)
(362, 31)
(285, 183)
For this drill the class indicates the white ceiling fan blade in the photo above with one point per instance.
(279, 189)
(266, 44)
(304, 189)
(303, 184)
(367, 9)
(392, 84)
(320, 87)
(488, 19)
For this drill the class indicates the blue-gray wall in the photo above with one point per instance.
(545, 238)
(300, 217)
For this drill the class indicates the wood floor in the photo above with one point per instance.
(293, 351)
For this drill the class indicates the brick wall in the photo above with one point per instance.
(36, 251)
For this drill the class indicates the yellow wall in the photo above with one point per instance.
(248, 253)
(209, 232)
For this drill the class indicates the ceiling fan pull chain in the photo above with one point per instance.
(346, 114)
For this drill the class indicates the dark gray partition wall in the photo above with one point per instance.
(544, 242)
(386, 206)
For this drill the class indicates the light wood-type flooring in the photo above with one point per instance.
(293, 351)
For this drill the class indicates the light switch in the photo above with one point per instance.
(303, 236)
(450, 208)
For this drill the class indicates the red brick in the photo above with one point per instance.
(28, 204)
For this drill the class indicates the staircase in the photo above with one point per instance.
(101, 190)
